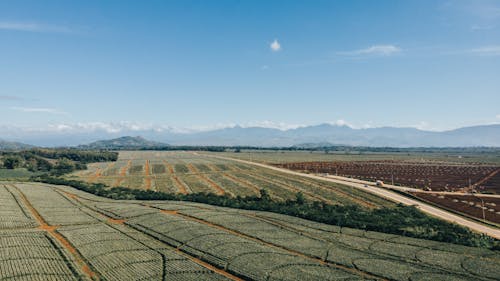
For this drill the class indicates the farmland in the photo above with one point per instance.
(189, 172)
(428, 175)
(186, 172)
(471, 205)
(60, 233)
(460, 156)
(451, 179)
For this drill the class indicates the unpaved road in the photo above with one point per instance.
(434, 211)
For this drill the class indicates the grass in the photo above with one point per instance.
(16, 174)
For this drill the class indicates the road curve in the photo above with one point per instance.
(431, 210)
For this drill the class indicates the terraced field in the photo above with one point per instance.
(59, 233)
(187, 172)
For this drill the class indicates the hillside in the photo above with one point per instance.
(168, 240)
(126, 142)
(10, 145)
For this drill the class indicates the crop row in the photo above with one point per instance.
(140, 244)
(239, 255)
(344, 246)
(186, 172)
(53, 207)
(346, 249)
(12, 211)
(434, 176)
(32, 256)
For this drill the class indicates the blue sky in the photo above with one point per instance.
(205, 64)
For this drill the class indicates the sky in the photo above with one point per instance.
(434, 65)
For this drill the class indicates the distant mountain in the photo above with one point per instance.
(11, 145)
(317, 135)
(488, 135)
(126, 142)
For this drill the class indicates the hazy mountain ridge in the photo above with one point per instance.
(12, 145)
(488, 135)
(485, 135)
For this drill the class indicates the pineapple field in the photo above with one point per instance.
(52, 232)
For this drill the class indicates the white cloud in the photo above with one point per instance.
(478, 27)
(498, 116)
(422, 125)
(5, 97)
(124, 127)
(33, 27)
(38, 110)
(379, 50)
(341, 122)
(264, 67)
(486, 51)
(271, 124)
(275, 46)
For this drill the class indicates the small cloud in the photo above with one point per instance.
(498, 116)
(422, 125)
(341, 122)
(10, 98)
(275, 46)
(33, 27)
(378, 50)
(486, 51)
(477, 27)
(271, 124)
(38, 110)
(264, 67)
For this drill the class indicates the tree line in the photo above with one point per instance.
(53, 161)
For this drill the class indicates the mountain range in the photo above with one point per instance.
(484, 135)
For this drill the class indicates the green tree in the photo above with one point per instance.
(264, 195)
(64, 166)
(12, 162)
(299, 198)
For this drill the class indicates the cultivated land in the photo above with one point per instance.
(437, 176)
(275, 157)
(188, 172)
(59, 233)
(445, 184)
(447, 175)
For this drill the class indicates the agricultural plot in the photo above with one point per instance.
(12, 212)
(280, 157)
(108, 239)
(32, 255)
(186, 172)
(487, 208)
(490, 184)
(438, 177)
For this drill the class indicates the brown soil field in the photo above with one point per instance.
(467, 204)
(438, 177)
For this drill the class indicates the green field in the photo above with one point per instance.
(59, 233)
(188, 172)
(20, 173)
